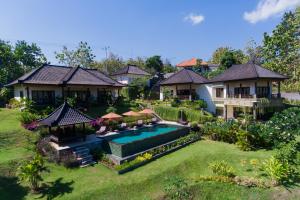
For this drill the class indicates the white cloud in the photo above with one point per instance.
(194, 18)
(269, 8)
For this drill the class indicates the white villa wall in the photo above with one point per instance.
(205, 92)
(58, 90)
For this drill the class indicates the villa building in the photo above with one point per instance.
(127, 74)
(49, 82)
(241, 88)
(197, 65)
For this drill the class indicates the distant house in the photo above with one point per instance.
(127, 74)
(197, 65)
(49, 82)
(241, 88)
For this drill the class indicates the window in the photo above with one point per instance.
(219, 111)
(43, 97)
(243, 91)
(262, 92)
(21, 94)
(220, 92)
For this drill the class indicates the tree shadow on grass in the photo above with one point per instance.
(56, 188)
(11, 189)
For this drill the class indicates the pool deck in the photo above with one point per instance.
(90, 139)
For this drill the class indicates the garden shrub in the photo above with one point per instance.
(222, 131)
(276, 170)
(28, 117)
(244, 140)
(111, 109)
(288, 153)
(167, 112)
(221, 168)
(97, 153)
(177, 188)
(174, 114)
(14, 103)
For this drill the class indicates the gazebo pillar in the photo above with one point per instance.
(278, 90)
(190, 96)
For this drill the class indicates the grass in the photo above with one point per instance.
(99, 182)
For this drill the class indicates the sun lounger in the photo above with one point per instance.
(140, 123)
(102, 130)
(154, 120)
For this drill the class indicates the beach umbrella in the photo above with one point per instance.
(111, 116)
(147, 111)
(131, 114)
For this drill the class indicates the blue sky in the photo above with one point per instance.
(174, 29)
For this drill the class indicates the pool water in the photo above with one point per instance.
(142, 133)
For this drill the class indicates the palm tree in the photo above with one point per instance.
(30, 172)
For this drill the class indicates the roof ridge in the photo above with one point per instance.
(69, 75)
(172, 75)
(255, 70)
(31, 73)
(189, 75)
(62, 107)
(97, 76)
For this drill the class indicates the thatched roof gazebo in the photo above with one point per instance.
(64, 118)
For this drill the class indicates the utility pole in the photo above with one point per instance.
(106, 48)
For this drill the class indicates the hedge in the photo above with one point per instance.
(174, 114)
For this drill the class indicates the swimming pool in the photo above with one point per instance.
(144, 133)
(134, 141)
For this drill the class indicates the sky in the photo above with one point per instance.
(175, 29)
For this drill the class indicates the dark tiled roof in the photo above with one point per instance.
(62, 75)
(130, 69)
(246, 71)
(65, 115)
(184, 76)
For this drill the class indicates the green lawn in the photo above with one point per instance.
(146, 182)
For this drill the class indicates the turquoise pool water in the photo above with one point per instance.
(142, 133)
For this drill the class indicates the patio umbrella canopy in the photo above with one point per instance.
(147, 111)
(111, 116)
(131, 114)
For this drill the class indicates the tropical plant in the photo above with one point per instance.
(176, 188)
(30, 171)
(28, 117)
(221, 168)
(278, 171)
(288, 153)
(111, 109)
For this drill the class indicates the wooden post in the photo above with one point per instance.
(190, 97)
(254, 112)
(269, 90)
(255, 89)
(278, 93)
(27, 92)
(225, 112)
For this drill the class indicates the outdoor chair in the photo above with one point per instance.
(140, 123)
(102, 130)
(182, 122)
(154, 120)
(123, 126)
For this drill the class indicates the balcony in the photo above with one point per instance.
(249, 100)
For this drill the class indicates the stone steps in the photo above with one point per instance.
(83, 156)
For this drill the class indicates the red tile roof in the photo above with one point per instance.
(190, 63)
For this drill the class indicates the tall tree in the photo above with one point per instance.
(82, 56)
(154, 64)
(281, 49)
(29, 56)
(217, 54)
(220, 52)
(111, 64)
(228, 59)
(17, 60)
(254, 52)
